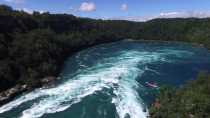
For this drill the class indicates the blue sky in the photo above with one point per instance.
(114, 8)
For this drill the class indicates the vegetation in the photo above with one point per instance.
(33, 46)
(190, 101)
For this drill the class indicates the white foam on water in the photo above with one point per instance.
(28, 97)
(121, 70)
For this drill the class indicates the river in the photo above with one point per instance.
(110, 81)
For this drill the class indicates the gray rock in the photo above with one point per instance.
(11, 93)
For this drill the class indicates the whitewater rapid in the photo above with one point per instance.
(117, 73)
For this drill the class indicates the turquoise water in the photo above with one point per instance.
(109, 81)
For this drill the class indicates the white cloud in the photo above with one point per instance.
(87, 7)
(27, 10)
(169, 13)
(196, 14)
(183, 14)
(15, 1)
(124, 7)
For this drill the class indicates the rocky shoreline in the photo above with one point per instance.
(12, 93)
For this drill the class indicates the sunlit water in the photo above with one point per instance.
(109, 81)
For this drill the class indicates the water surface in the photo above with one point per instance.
(109, 81)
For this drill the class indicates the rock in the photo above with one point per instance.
(11, 93)
(48, 81)
(157, 104)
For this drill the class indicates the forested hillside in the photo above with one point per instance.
(34, 46)
(190, 101)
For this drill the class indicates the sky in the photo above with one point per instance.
(136, 10)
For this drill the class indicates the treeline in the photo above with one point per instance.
(33, 46)
(191, 30)
(190, 101)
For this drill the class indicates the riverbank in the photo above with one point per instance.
(190, 101)
(166, 41)
(51, 38)
(105, 74)
(12, 93)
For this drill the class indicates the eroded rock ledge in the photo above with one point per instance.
(12, 93)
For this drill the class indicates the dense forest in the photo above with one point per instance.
(189, 101)
(34, 46)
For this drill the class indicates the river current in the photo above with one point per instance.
(111, 81)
